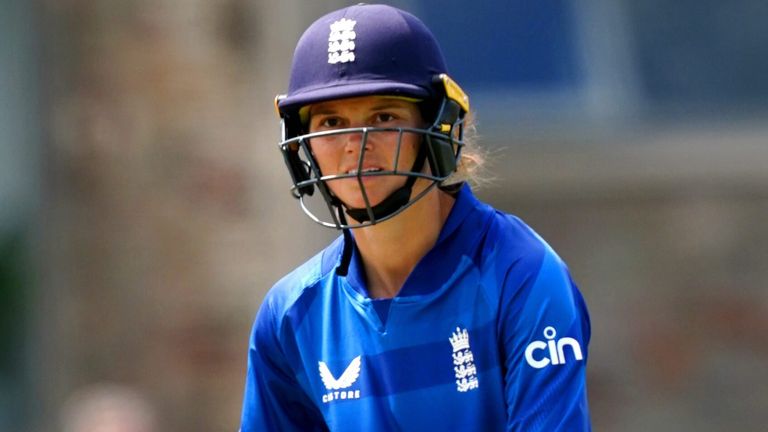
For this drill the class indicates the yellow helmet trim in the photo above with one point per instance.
(454, 92)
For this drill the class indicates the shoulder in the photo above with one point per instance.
(301, 282)
(534, 280)
(496, 239)
(512, 250)
(529, 251)
(516, 237)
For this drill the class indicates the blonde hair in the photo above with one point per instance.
(470, 168)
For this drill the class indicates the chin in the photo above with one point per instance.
(353, 198)
(358, 202)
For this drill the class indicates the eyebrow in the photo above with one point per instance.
(314, 110)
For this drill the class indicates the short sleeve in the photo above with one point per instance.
(545, 330)
(273, 399)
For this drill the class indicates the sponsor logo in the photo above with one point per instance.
(463, 361)
(341, 41)
(554, 350)
(337, 387)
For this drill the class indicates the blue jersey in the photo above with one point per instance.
(488, 333)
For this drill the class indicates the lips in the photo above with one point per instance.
(365, 170)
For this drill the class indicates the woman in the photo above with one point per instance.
(432, 310)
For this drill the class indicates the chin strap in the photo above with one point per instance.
(346, 254)
(396, 200)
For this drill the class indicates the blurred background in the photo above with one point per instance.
(145, 208)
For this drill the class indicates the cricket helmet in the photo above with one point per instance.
(366, 50)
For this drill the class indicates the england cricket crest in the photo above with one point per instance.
(463, 361)
(341, 41)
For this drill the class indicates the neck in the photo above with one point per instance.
(390, 250)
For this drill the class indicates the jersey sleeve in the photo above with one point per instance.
(274, 400)
(544, 328)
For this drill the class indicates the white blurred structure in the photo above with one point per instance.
(108, 408)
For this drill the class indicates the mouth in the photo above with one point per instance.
(365, 170)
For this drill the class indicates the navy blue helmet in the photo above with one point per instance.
(366, 50)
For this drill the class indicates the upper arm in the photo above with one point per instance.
(273, 398)
(545, 330)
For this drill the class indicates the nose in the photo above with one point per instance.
(353, 142)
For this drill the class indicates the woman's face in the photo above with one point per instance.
(339, 154)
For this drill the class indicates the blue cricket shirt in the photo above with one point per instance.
(489, 333)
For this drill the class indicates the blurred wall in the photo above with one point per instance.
(165, 214)
(168, 211)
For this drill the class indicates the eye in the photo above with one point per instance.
(331, 122)
(384, 117)
(328, 123)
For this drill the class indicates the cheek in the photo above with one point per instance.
(409, 147)
(326, 156)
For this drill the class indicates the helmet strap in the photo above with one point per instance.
(346, 254)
